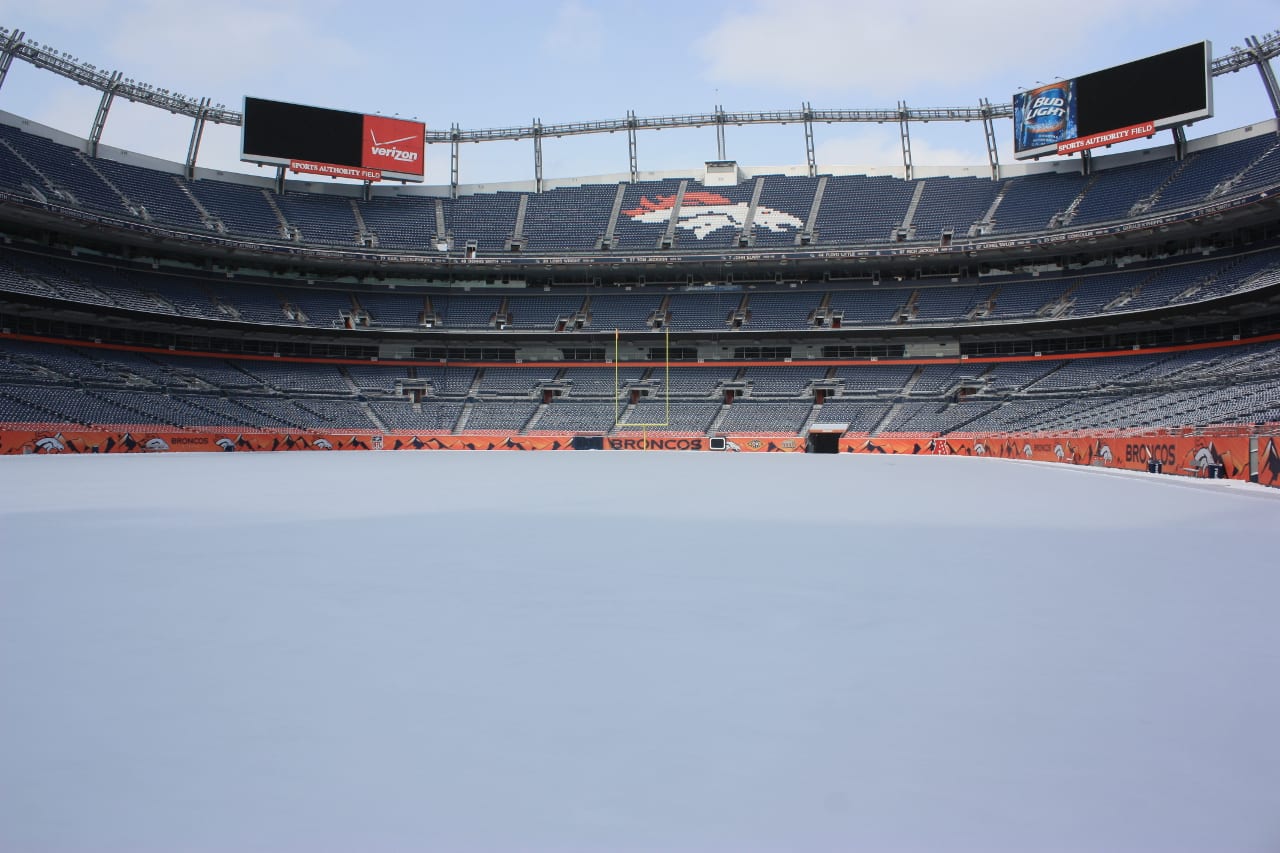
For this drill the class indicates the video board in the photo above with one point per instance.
(1129, 101)
(318, 141)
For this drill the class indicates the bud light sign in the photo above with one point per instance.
(1045, 116)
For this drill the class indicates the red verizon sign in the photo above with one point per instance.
(333, 170)
(393, 145)
(1124, 134)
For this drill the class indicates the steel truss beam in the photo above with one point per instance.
(65, 65)
(631, 145)
(810, 156)
(720, 114)
(454, 139)
(905, 131)
(993, 148)
(1263, 56)
(104, 107)
(537, 154)
(197, 133)
(15, 45)
(7, 50)
(43, 56)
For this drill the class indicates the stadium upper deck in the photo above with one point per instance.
(1228, 178)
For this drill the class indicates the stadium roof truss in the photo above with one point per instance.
(14, 44)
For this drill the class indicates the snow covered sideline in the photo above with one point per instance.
(633, 651)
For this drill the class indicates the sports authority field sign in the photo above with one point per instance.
(331, 170)
(1097, 140)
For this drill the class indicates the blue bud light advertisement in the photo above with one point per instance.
(1045, 116)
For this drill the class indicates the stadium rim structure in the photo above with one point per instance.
(14, 44)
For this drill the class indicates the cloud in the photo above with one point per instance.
(576, 32)
(879, 151)
(202, 48)
(289, 49)
(887, 51)
(234, 42)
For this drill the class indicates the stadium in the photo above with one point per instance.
(1084, 303)
(971, 618)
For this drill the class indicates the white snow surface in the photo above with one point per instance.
(594, 651)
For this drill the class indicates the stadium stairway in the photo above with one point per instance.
(537, 415)
(988, 221)
(49, 185)
(719, 418)
(373, 417)
(287, 231)
(890, 415)
(1143, 205)
(814, 414)
(808, 235)
(464, 416)
(137, 210)
(910, 383)
(1065, 217)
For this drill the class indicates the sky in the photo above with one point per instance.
(500, 64)
(922, 654)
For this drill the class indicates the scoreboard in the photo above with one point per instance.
(1129, 101)
(319, 141)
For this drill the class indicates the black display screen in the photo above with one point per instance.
(275, 131)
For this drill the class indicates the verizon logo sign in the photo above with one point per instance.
(393, 145)
(388, 149)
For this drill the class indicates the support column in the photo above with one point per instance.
(993, 149)
(1268, 73)
(720, 132)
(7, 50)
(1086, 162)
(631, 145)
(197, 133)
(810, 157)
(280, 173)
(454, 140)
(1179, 143)
(104, 107)
(906, 138)
(537, 155)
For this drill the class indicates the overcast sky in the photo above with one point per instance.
(492, 64)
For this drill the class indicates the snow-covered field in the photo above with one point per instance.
(625, 652)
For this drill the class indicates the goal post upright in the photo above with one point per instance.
(617, 384)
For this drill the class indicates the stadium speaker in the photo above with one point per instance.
(588, 442)
(1155, 466)
(716, 443)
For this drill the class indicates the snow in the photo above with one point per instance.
(633, 651)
